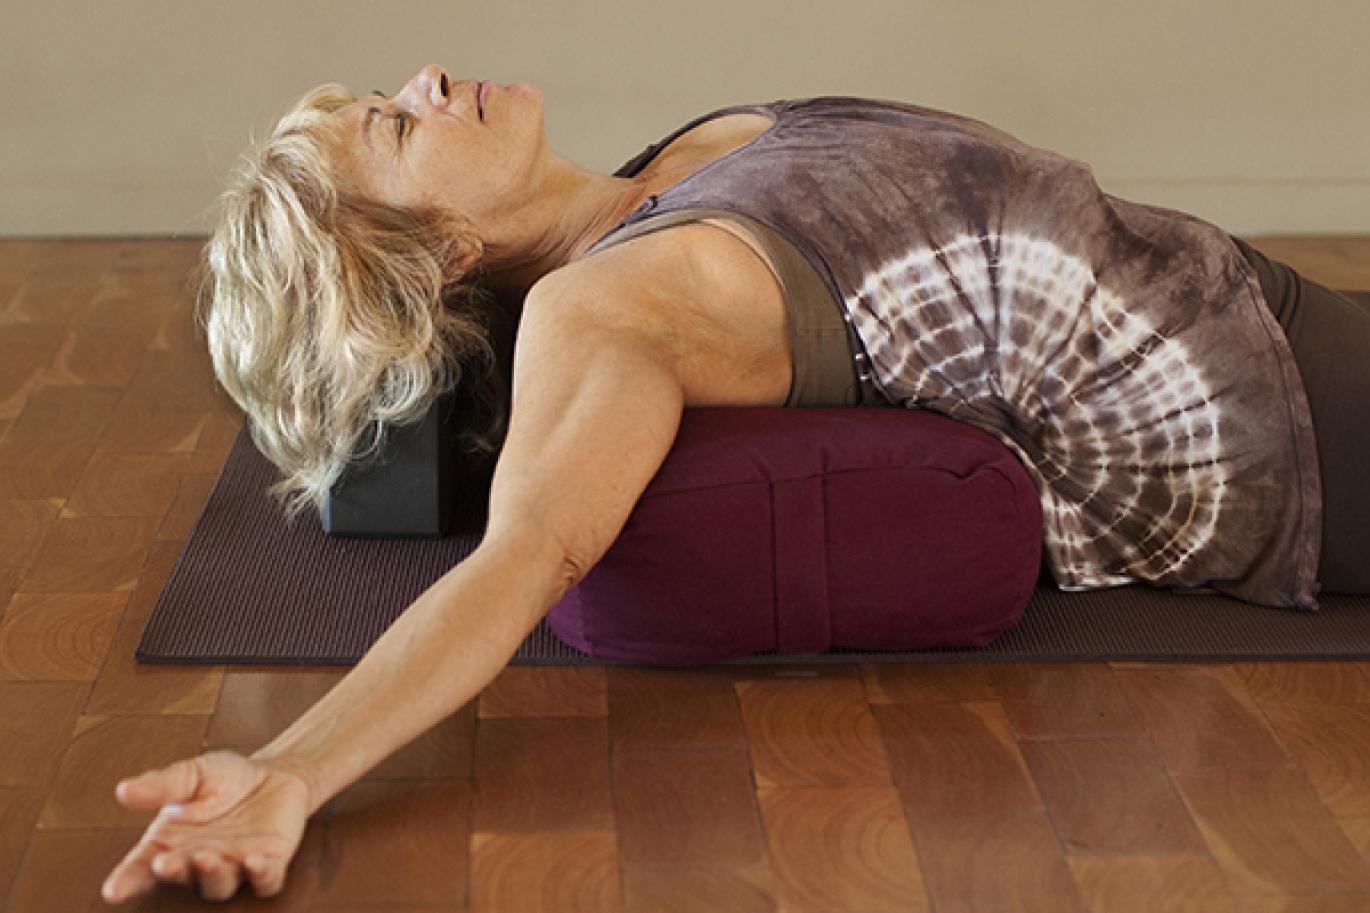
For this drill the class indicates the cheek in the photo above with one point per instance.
(399, 189)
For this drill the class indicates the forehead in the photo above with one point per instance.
(355, 154)
(351, 117)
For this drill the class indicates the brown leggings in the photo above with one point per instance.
(1330, 335)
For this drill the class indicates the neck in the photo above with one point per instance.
(568, 209)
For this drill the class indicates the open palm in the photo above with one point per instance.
(222, 818)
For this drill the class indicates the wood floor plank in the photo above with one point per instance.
(185, 510)
(1201, 718)
(49, 444)
(25, 349)
(545, 691)
(126, 686)
(1332, 745)
(892, 683)
(1315, 684)
(54, 298)
(395, 844)
(57, 636)
(104, 751)
(79, 258)
(143, 424)
(95, 357)
(956, 759)
(128, 485)
(178, 330)
(174, 257)
(36, 721)
(979, 863)
(22, 527)
(19, 256)
(184, 380)
(1321, 259)
(219, 431)
(563, 872)
(691, 808)
(9, 585)
(544, 774)
(812, 733)
(18, 811)
(1141, 884)
(63, 870)
(1065, 700)
(1347, 903)
(1111, 796)
(63, 416)
(91, 555)
(1357, 831)
(1270, 834)
(257, 703)
(129, 302)
(709, 889)
(841, 849)
(670, 709)
(445, 752)
(152, 579)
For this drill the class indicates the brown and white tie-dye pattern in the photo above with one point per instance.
(1122, 351)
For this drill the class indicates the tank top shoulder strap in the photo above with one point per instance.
(825, 370)
(635, 164)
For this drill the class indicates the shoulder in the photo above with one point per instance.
(662, 280)
(696, 293)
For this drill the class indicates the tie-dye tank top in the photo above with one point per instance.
(1122, 351)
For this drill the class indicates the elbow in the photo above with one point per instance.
(573, 571)
(534, 554)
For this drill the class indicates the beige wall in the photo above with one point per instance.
(123, 118)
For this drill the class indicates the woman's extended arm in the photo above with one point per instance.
(594, 413)
(596, 406)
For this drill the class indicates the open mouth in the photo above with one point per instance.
(481, 92)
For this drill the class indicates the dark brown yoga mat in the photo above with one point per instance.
(247, 590)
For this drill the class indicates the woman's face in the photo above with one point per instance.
(430, 145)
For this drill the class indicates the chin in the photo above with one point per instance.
(533, 94)
(527, 89)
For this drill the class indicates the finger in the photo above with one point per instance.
(266, 875)
(172, 867)
(217, 878)
(176, 783)
(215, 794)
(132, 876)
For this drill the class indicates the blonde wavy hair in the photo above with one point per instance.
(331, 318)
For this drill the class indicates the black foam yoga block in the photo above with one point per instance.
(425, 483)
(417, 487)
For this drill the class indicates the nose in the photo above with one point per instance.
(430, 84)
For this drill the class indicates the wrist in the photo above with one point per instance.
(298, 768)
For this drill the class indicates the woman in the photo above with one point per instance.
(1125, 353)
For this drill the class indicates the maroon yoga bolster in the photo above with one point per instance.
(803, 529)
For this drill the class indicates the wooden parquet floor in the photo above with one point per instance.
(1102, 787)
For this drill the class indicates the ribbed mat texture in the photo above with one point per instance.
(248, 590)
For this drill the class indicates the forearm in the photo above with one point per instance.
(441, 652)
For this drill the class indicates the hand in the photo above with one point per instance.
(221, 817)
